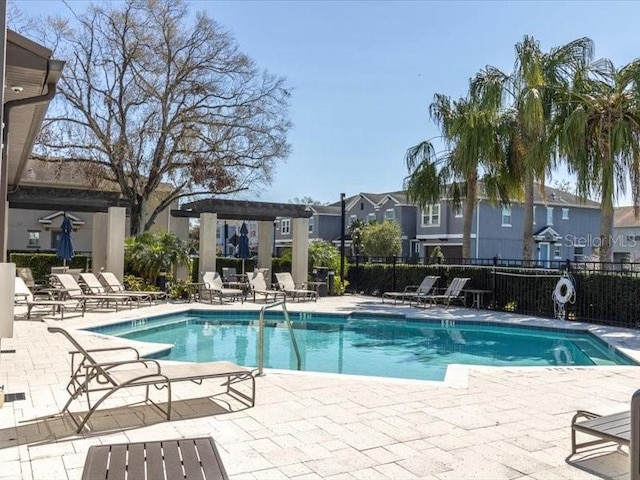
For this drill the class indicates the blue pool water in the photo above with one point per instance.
(363, 344)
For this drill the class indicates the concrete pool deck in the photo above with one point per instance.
(485, 423)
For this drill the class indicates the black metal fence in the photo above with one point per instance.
(606, 293)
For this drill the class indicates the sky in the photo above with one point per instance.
(363, 73)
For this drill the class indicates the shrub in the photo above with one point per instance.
(382, 239)
(41, 263)
(153, 252)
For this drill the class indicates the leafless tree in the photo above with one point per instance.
(153, 99)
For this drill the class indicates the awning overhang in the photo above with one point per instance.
(242, 210)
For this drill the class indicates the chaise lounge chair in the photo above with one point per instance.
(88, 375)
(113, 285)
(94, 287)
(71, 289)
(288, 286)
(622, 428)
(259, 286)
(23, 296)
(413, 292)
(212, 285)
(453, 292)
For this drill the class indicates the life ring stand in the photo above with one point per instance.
(569, 291)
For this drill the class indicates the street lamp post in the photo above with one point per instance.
(342, 229)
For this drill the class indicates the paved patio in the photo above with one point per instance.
(481, 423)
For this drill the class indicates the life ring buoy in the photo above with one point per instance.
(569, 290)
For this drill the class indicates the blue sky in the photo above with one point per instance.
(364, 73)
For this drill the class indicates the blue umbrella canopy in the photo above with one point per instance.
(243, 244)
(65, 245)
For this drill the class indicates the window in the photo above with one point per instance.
(557, 251)
(549, 215)
(431, 215)
(565, 214)
(389, 214)
(361, 205)
(33, 240)
(457, 211)
(312, 222)
(352, 218)
(285, 226)
(371, 217)
(417, 248)
(506, 216)
(578, 254)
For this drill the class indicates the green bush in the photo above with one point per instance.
(41, 263)
(153, 252)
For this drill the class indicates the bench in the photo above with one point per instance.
(186, 459)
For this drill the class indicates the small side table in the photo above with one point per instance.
(478, 296)
(189, 458)
(194, 289)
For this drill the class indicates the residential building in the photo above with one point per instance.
(626, 235)
(564, 228)
(39, 229)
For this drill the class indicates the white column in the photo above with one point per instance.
(300, 250)
(116, 219)
(208, 223)
(99, 242)
(7, 298)
(265, 246)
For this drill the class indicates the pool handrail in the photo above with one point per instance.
(261, 334)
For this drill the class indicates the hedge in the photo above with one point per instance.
(41, 263)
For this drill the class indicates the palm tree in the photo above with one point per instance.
(470, 133)
(600, 137)
(529, 99)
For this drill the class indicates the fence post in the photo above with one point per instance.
(393, 281)
(494, 280)
(355, 280)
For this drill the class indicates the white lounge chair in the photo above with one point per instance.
(71, 289)
(288, 286)
(452, 293)
(113, 285)
(212, 285)
(94, 287)
(259, 286)
(23, 296)
(413, 292)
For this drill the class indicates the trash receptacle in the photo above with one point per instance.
(320, 275)
(331, 276)
(161, 281)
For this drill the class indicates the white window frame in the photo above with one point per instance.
(458, 211)
(416, 247)
(549, 216)
(372, 217)
(429, 213)
(285, 226)
(557, 251)
(312, 224)
(576, 254)
(506, 216)
(33, 245)
(389, 214)
(565, 214)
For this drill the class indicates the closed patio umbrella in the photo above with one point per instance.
(65, 245)
(243, 244)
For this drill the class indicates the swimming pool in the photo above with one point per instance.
(363, 344)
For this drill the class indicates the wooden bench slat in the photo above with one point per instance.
(211, 462)
(190, 461)
(172, 461)
(136, 461)
(154, 464)
(95, 466)
(118, 463)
